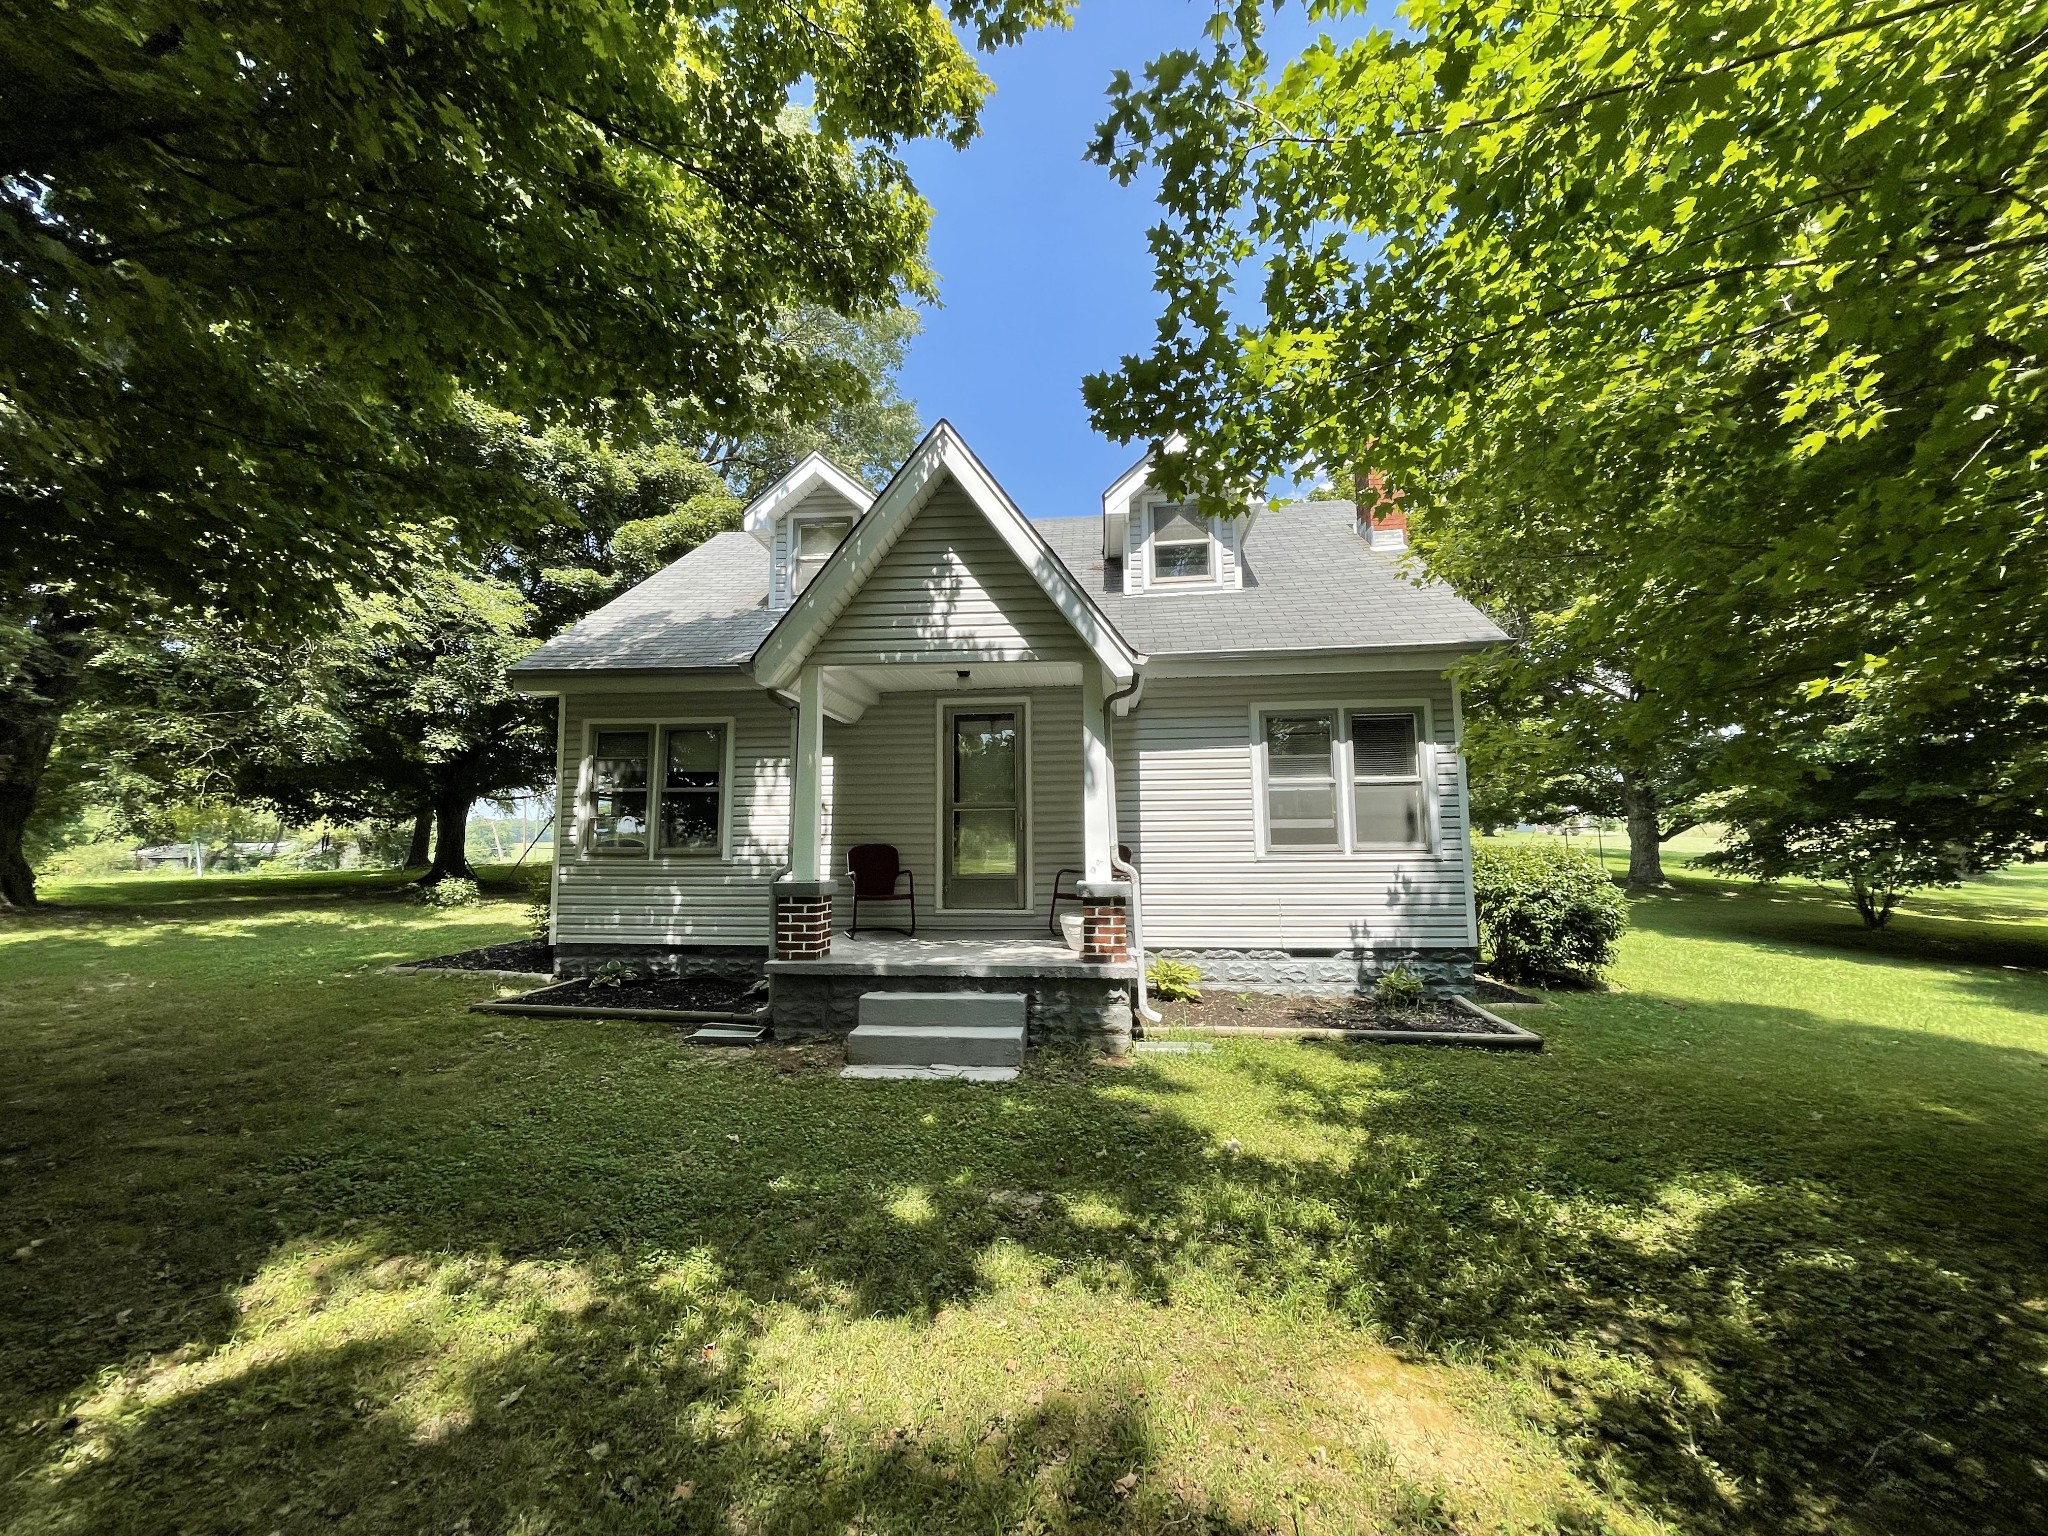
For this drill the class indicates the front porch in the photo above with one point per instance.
(986, 792)
(1068, 1000)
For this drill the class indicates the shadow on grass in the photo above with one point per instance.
(1753, 1293)
(626, 1413)
(1808, 916)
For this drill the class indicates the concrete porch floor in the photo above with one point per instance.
(1022, 953)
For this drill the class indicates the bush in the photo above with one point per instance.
(452, 892)
(1175, 981)
(539, 920)
(1545, 912)
(614, 973)
(1398, 989)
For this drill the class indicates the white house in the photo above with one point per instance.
(1227, 740)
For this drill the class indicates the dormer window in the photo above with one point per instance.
(816, 538)
(1181, 544)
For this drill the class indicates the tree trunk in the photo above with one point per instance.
(451, 837)
(34, 695)
(422, 832)
(1645, 845)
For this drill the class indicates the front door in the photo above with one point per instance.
(984, 816)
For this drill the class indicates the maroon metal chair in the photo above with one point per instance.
(877, 869)
(1052, 916)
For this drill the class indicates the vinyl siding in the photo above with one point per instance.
(886, 790)
(1186, 802)
(679, 901)
(881, 786)
(949, 590)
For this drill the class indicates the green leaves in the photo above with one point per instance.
(251, 262)
(1707, 341)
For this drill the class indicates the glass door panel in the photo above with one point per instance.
(984, 811)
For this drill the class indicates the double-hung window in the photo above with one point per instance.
(618, 792)
(692, 789)
(656, 789)
(1389, 806)
(1180, 544)
(1344, 780)
(814, 539)
(1301, 782)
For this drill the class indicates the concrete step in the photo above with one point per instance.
(926, 1045)
(727, 1034)
(934, 1074)
(943, 1010)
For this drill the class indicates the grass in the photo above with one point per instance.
(1756, 1246)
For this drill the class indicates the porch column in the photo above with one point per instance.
(803, 900)
(807, 806)
(1098, 813)
(1105, 899)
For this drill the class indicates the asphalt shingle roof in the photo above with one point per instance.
(1311, 583)
(709, 609)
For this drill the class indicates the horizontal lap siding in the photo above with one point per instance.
(949, 590)
(680, 901)
(886, 790)
(1185, 788)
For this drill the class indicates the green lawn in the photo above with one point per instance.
(1760, 1245)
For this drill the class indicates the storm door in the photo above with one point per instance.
(984, 811)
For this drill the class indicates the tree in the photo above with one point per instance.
(1706, 341)
(1884, 814)
(400, 708)
(870, 433)
(252, 257)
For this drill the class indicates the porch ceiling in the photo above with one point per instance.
(939, 677)
(849, 690)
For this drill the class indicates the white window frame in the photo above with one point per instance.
(1423, 778)
(1340, 713)
(1209, 578)
(658, 728)
(796, 523)
(974, 703)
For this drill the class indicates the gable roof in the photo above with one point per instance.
(805, 476)
(943, 453)
(1310, 584)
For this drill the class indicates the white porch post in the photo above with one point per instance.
(807, 806)
(1098, 808)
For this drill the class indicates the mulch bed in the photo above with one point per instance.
(531, 956)
(686, 994)
(1273, 1011)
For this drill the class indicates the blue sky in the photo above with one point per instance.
(1043, 271)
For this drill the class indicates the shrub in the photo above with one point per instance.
(1399, 989)
(1175, 981)
(614, 973)
(452, 892)
(1545, 912)
(538, 920)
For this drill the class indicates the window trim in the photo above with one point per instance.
(942, 744)
(1425, 759)
(1209, 578)
(1341, 710)
(659, 726)
(795, 523)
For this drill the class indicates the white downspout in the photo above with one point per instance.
(1124, 871)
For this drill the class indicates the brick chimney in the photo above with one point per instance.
(1381, 522)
